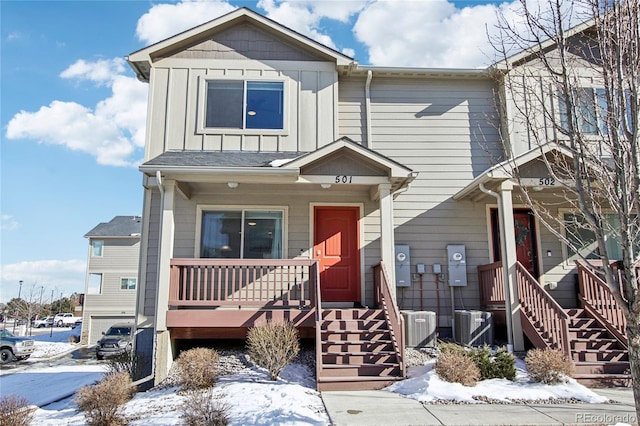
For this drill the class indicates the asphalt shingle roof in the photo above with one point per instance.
(119, 226)
(219, 158)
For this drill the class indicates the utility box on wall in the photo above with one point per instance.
(457, 265)
(403, 265)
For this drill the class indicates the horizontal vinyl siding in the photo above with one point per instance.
(117, 254)
(439, 129)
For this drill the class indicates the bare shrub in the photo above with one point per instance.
(196, 368)
(101, 402)
(205, 408)
(15, 411)
(446, 347)
(273, 345)
(456, 367)
(127, 362)
(548, 366)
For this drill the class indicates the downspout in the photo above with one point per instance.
(367, 107)
(505, 269)
(153, 358)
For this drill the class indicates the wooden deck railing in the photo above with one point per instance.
(318, 320)
(276, 283)
(384, 299)
(542, 311)
(491, 280)
(599, 301)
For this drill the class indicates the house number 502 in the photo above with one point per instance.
(343, 179)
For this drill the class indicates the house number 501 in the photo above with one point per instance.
(343, 179)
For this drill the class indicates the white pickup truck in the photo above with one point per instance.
(65, 320)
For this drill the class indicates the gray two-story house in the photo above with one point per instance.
(112, 276)
(285, 181)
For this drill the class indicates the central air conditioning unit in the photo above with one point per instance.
(473, 328)
(419, 328)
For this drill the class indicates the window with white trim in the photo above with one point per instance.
(242, 234)
(94, 286)
(128, 283)
(238, 104)
(589, 103)
(583, 238)
(96, 248)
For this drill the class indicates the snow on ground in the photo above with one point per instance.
(425, 386)
(50, 343)
(253, 399)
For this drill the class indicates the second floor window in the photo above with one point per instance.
(590, 106)
(128, 283)
(245, 104)
(96, 248)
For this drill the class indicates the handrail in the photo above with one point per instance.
(242, 282)
(597, 299)
(385, 300)
(317, 304)
(552, 320)
(491, 279)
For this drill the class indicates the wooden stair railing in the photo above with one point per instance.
(317, 303)
(385, 300)
(599, 302)
(544, 320)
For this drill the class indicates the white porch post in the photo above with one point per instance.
(387, 240)
(509, 260)
(167, 230)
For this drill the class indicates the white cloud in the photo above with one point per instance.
(8, 223)
(61, 276)
(304, 16)
(429, 34)
(113, 132)
(101, 72)
(165, 20)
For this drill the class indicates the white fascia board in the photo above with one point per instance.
(221, 174)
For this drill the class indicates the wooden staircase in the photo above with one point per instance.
(600, 359)
(358, 350)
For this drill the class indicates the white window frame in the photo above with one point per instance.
(600, 123)
(202, 107)
(93, 248)
(90, 281)
(135, 283)
(208, 207)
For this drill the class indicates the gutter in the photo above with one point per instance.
(367, 103)
(254, 171)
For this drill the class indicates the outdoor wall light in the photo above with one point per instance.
(232, 185)
(325, 185)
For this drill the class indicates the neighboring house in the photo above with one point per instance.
(112, 276)
(283, 180)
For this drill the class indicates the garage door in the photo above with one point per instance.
(99, 324)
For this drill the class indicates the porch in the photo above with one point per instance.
(356, 348)
(592, 335)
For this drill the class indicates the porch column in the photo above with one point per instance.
(509, 260)
(387, 239)
(166, 237)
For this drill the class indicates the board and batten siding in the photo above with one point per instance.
(177, 102)
(441, 129)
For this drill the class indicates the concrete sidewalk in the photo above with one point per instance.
(388, 408)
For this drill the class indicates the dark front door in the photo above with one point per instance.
(336, 245)
(525, 235)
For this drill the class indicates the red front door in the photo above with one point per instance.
(336, 245)
(525, 235)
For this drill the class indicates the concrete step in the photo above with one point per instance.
(350, 383)
(619, 367)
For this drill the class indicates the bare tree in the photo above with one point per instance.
(577, 87)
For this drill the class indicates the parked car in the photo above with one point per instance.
(14, 347)
(65, 320)
(42, 322)
(116, 341)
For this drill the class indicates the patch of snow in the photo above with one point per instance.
(278, 163)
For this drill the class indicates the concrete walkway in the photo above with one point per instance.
(388, 408)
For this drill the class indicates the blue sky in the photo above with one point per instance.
(72, 113)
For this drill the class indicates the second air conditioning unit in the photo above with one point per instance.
(420, 328)
(474, 328)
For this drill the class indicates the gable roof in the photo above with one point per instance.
(119, 226)
(500, 172)
(141, 60)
